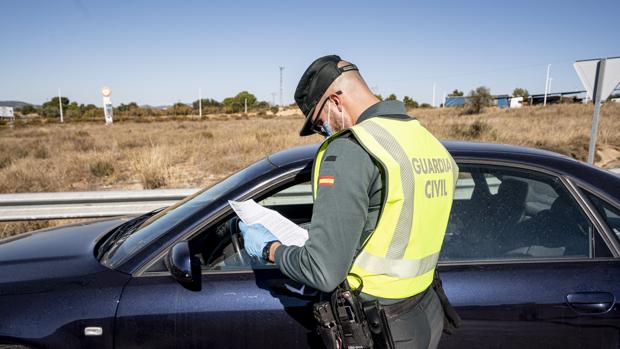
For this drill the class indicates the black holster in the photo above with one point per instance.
(345, 322)
(451, 319)
(378, 325)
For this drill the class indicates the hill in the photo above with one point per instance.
(15, 104)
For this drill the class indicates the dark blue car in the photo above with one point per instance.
(530, 259)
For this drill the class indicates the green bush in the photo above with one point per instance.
(478, 99)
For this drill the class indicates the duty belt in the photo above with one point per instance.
(395, 310)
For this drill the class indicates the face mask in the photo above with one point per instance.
(327, 129)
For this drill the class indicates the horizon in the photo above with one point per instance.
(157, 54)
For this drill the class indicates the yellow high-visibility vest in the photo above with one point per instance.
(399, 257)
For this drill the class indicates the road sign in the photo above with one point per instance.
(6, 112)
(106, 92)
(587, 71)
(600, 77)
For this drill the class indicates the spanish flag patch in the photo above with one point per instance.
(326, 181)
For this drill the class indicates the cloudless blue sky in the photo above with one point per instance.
(156, 52)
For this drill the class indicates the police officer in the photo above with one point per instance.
(383, 188)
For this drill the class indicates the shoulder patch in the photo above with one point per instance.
(326, 181)
(331, 158)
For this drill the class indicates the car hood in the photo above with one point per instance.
(59, 252)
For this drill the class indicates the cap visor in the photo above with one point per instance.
(306, 129)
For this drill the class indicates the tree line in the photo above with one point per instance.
(229, 105)
(475, 101)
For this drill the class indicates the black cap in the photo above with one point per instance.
(313, 84)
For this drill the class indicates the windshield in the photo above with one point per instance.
(160, 223)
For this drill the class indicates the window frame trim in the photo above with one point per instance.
(584, 205)
(609, 236)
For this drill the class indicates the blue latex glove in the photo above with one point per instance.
(255, 237)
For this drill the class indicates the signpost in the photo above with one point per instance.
(600, 77)
(7, 112)
(106, 92)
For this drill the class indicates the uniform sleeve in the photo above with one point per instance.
(338, 218)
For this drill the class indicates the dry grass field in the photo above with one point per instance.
(196, 153)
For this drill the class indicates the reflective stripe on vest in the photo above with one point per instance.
(399, 257)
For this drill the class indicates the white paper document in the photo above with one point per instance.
(286, 231)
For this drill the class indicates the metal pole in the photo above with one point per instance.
(598, 85)
(281, 70)
(245, 105)
(200, 102)
(550, 81)
(60, 106)
(546, 85)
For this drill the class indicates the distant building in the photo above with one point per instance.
(453, 101)
(557, 97)
(516, 102)
(502, 101)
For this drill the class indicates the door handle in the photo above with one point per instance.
(590, 302)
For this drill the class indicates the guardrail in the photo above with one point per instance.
(97, 204)
(93, 204)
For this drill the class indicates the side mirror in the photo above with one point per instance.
(182, 267)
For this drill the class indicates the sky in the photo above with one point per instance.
(163, 52)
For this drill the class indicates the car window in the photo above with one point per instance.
(506, 213)
(298, 194)
(221, 249)
(610, 213)
(157, 225)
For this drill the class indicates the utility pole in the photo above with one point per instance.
(550, 81)
(245, 106)
(60, 106)
(273, 98)
(546, 85)
(200, 102)
(596, 94)
(281, 70)
(434, 94)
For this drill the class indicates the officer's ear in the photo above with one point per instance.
(336, 100)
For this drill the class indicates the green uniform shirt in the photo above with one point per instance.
(344, 214)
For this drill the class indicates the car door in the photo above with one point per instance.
(241, 303)
(524, 264)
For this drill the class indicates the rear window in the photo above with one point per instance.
(610, 213)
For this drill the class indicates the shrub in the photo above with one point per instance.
(41, 151)
(101, 168)
(409, 102)
(207, 134)
(477, 100)
(151, 165)
(83, 143)
(472, 131)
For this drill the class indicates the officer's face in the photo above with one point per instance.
(329, 114)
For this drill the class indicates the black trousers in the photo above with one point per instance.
(422, 326)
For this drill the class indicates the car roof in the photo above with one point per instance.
(601, 180)
(456, 148)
